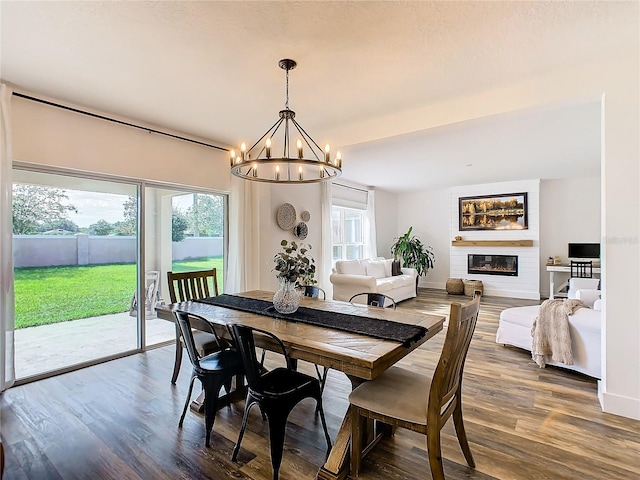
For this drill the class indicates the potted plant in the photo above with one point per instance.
(295, 267)
(413, 254)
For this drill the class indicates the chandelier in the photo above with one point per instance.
(273, 161)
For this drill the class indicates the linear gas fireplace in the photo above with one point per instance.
(493, 264)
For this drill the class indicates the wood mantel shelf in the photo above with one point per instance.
(492, 243)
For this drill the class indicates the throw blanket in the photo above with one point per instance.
(550, 331)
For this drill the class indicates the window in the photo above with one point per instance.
(348, 225)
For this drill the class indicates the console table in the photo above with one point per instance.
(564, 268)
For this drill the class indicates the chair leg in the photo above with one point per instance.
(461, 434)
(277, 428)
(320, 410)
(211, 392)
(434, 452)
(248, 404)
(186, 403)
(178, 360)
(356, 441)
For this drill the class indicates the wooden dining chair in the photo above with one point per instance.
(374, 299)
(214, 370)
(276, 391)
(192, 286)
(418, 401)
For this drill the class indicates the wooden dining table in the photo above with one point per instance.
(360, 357)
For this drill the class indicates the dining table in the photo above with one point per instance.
(361, 353)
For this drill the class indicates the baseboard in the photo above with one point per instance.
(619, 405)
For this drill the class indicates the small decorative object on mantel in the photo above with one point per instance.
(286, 216)
(458, 238)
(295, 267)
(550, 261)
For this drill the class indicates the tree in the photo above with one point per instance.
(62, 224)
(128, 227)
(206, 216)
(179, 223)
(101, 227)
(35, 206)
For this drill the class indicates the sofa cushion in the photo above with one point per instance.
(388, 262)
(376, 269)
(384, 285)
(396, 268)
(351, 267)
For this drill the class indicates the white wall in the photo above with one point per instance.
(386, 221)
(428, 213)
(569, 212)
(51, 136)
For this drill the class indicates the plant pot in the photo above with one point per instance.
(286, 299)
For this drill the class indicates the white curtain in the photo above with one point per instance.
(7, 366)
(324, 269)
(244, 220)
(370, 242)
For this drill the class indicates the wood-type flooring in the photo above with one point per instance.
(118, 420)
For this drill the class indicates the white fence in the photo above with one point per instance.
(83, 249)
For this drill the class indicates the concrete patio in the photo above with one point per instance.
(46, 348)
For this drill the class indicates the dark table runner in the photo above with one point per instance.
(373, 327)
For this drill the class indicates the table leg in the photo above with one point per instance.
(552, 290)
(337, 465)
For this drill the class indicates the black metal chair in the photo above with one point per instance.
(313, 291)
(375, 299)
(214, 370)
(581, 269)
(276, 392)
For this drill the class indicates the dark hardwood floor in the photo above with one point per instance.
(118, 420)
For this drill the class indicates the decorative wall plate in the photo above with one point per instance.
(305, 216)
(301, 231)
(286, 216)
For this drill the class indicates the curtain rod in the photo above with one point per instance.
(352, 188)
(121, 122)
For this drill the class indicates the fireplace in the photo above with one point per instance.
(493, 264)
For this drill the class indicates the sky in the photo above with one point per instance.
(94, 206)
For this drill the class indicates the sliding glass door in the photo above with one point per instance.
(75, 266)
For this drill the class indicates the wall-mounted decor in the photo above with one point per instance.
(505, 211)
(286, 216)
(301, 230)
(305, 216)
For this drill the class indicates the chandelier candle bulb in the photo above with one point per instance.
(299, 144)
(255, 170)
(300, 172)
(232, 157)
(327, 153)
(268, 147)
(243, 151)
(277, 172)
(338, 159)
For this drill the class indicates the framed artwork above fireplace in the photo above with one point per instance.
(505, 211)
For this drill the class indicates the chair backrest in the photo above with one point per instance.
(375, 299)
(189, 321)
(447, 377)
(314, 292)
(192, 285)
(245, 340)
(581, 269)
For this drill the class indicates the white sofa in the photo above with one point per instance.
(515, 325)
(372, 275)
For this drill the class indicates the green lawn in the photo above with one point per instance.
(57, 294)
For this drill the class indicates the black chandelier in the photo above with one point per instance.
(317, 166)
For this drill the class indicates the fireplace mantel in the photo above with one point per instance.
(492, 243)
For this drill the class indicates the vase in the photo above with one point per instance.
(287, 298)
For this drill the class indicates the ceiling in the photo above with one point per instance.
(209, 69)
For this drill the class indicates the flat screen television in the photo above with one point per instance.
(584, 250)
